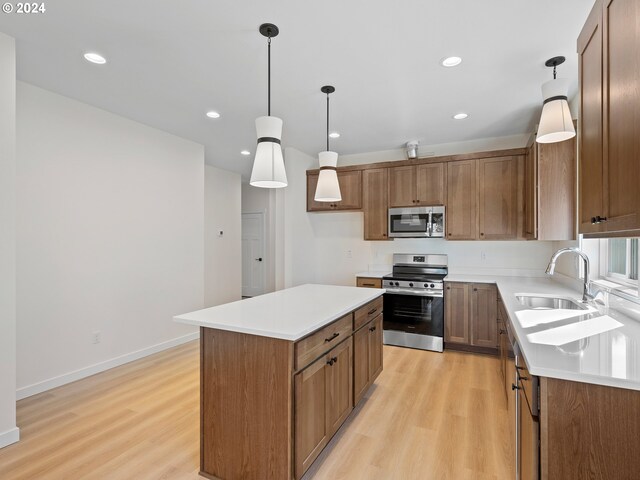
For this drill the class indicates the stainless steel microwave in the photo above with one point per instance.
(416, 222)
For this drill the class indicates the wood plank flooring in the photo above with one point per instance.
(429, 416)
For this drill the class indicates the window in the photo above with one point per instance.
(621, 260)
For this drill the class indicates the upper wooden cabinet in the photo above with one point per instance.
(415, 185)
(549, 191)
(609, 65)
(375, 203)
(498, 205)
(350, 189)
(462, 199)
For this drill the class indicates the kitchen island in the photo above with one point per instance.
(280, 373)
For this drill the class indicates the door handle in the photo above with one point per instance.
(259, 259)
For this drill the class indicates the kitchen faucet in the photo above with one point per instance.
(586, 294)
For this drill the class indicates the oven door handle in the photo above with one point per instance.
(415, 293)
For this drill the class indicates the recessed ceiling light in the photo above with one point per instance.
(95, 58)
(245, 152)
(212, 114)
(334, 135)
(450, 61)
(460, 116)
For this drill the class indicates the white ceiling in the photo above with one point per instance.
(171, 61)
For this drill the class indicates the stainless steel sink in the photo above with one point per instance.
(550, 303)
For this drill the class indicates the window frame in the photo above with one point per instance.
(614, 277)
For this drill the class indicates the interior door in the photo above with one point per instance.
(253, 261)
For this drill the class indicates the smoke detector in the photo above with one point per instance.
(412, 149)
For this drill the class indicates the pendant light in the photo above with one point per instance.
(268, 165)
(556, 124)
(328, 188)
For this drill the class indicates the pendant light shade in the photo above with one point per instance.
(268, 166)
(556, 124)
(328, 188)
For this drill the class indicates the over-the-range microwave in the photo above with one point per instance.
(416, 222)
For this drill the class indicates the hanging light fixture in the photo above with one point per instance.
(268, 165)
(556, 123)
(328, 188)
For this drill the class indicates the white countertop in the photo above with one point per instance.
(374, 274)
(600, 346)
(288, 314)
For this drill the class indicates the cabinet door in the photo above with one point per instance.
(528, 434)
(351, 190)
(375, 348)
(530, 197)
(360, 363)
(402, 186)
(310, 414)
(339, 386)
(375, 203)
(430, 184)
(498, 198)
(556, 173)
(456, 321)
(484, 315)
(621, 115)
(462, 198)
(590, 125)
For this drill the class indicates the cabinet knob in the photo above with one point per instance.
(449, 234)
(332, 360)
(372, 329)
(514, 387)
(481, 234)
(448, 288)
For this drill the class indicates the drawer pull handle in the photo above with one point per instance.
(332, 361)
(331, 337)
(368, 285)
(371, 312)
(372, 329)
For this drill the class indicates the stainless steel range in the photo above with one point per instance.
(414, 301)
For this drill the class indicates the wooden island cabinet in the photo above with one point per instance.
(269, 405)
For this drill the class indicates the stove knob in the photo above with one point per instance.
(411, 284)
(397, 284)
(426, 285)
(432, 285)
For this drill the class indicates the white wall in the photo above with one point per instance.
(9, 433)
(223, 254)
(329, 247)
(263, 200)
(110, 238)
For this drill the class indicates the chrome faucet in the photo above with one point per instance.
(586, 291)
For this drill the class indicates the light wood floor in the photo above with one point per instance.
(429, 416)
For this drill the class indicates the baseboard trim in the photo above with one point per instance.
(9, 437)
(60, 380)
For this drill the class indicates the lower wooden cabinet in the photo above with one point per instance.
(323, 400)
(369, 282)
(471, 316)
(367, 357)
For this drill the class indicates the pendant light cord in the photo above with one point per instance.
(269, 76)
(327, 122)
(554, 72)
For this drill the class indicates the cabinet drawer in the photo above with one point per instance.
(311, 347)
(369, 282)
(367, 313)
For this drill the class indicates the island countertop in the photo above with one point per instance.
(288, 314)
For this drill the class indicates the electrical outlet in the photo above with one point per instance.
(483, 256)
(97, 337)
(349, 254)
